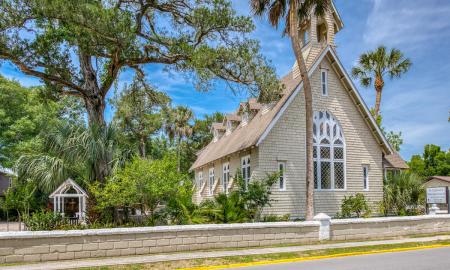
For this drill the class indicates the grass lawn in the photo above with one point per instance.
(266, 257)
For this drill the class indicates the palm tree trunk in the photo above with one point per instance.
(296, 45)
(379, 83)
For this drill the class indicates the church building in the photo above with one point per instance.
(351, 154)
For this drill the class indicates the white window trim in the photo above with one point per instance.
(324, 83)
(282, 175)
(331, 159)
(211, 180)
(225, 175)
(247, 165)
(366, 180)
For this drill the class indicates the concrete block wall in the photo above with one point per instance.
(17, 247)
(379, 228)
(62, 245)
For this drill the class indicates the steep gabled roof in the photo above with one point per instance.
(254, 133)
(442, 178)
(395, 161)
(65, 186)
(233, 117)
(218, 126)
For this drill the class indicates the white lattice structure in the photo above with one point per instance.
(69, 190)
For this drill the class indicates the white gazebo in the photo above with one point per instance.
(65, 200)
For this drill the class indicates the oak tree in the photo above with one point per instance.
(79, 47)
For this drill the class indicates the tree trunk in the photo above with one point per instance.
(296, 45)
(95, 107)
(7, 220)
(142, 145)
(94, 101)
(94, 98)
(379, 84)
(179, 155)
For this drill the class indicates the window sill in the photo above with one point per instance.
(333, 190)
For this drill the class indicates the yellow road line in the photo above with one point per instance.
(312, 258)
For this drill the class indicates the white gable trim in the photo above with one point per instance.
(290, 99)
(63, 187)
(353, 88)
(364, 105)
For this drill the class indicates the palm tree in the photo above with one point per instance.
(403, 194)
(90, 154)
(375, 65)
(295, 13)
(178, 127)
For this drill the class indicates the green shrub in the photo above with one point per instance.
(404, 195)
(354, 206)
(44, 221)
(244, 204)
(147, 184)
(256, 195)
(275, 218)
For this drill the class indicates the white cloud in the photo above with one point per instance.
(408, 23)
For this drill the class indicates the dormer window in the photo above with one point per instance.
(217, 129)
(324, 82)
(216, 135)
(229, 127)
(245, 118)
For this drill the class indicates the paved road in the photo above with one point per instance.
(426, 259)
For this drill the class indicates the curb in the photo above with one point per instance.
(314, 258)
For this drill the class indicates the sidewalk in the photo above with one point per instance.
(70, 264)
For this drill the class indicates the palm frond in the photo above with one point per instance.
(277, 11)
(259, 7)
(48, 171)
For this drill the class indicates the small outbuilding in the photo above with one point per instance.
(6, 176)
(437, 181)
(69, 199)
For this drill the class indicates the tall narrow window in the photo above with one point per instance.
(226, 176)
(211, 180)
(282, 177)
(245, 167)
(305, 38)
(200, 179)
(324, 80)
(328, 152)
(366, 177)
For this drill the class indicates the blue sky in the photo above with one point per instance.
(418, 104)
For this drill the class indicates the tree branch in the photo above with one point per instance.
(46, 77)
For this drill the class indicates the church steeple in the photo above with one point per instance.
(321, 30)
(317, 33)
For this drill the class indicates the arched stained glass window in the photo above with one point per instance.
(329, 152)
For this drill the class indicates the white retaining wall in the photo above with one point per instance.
(74, 244)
